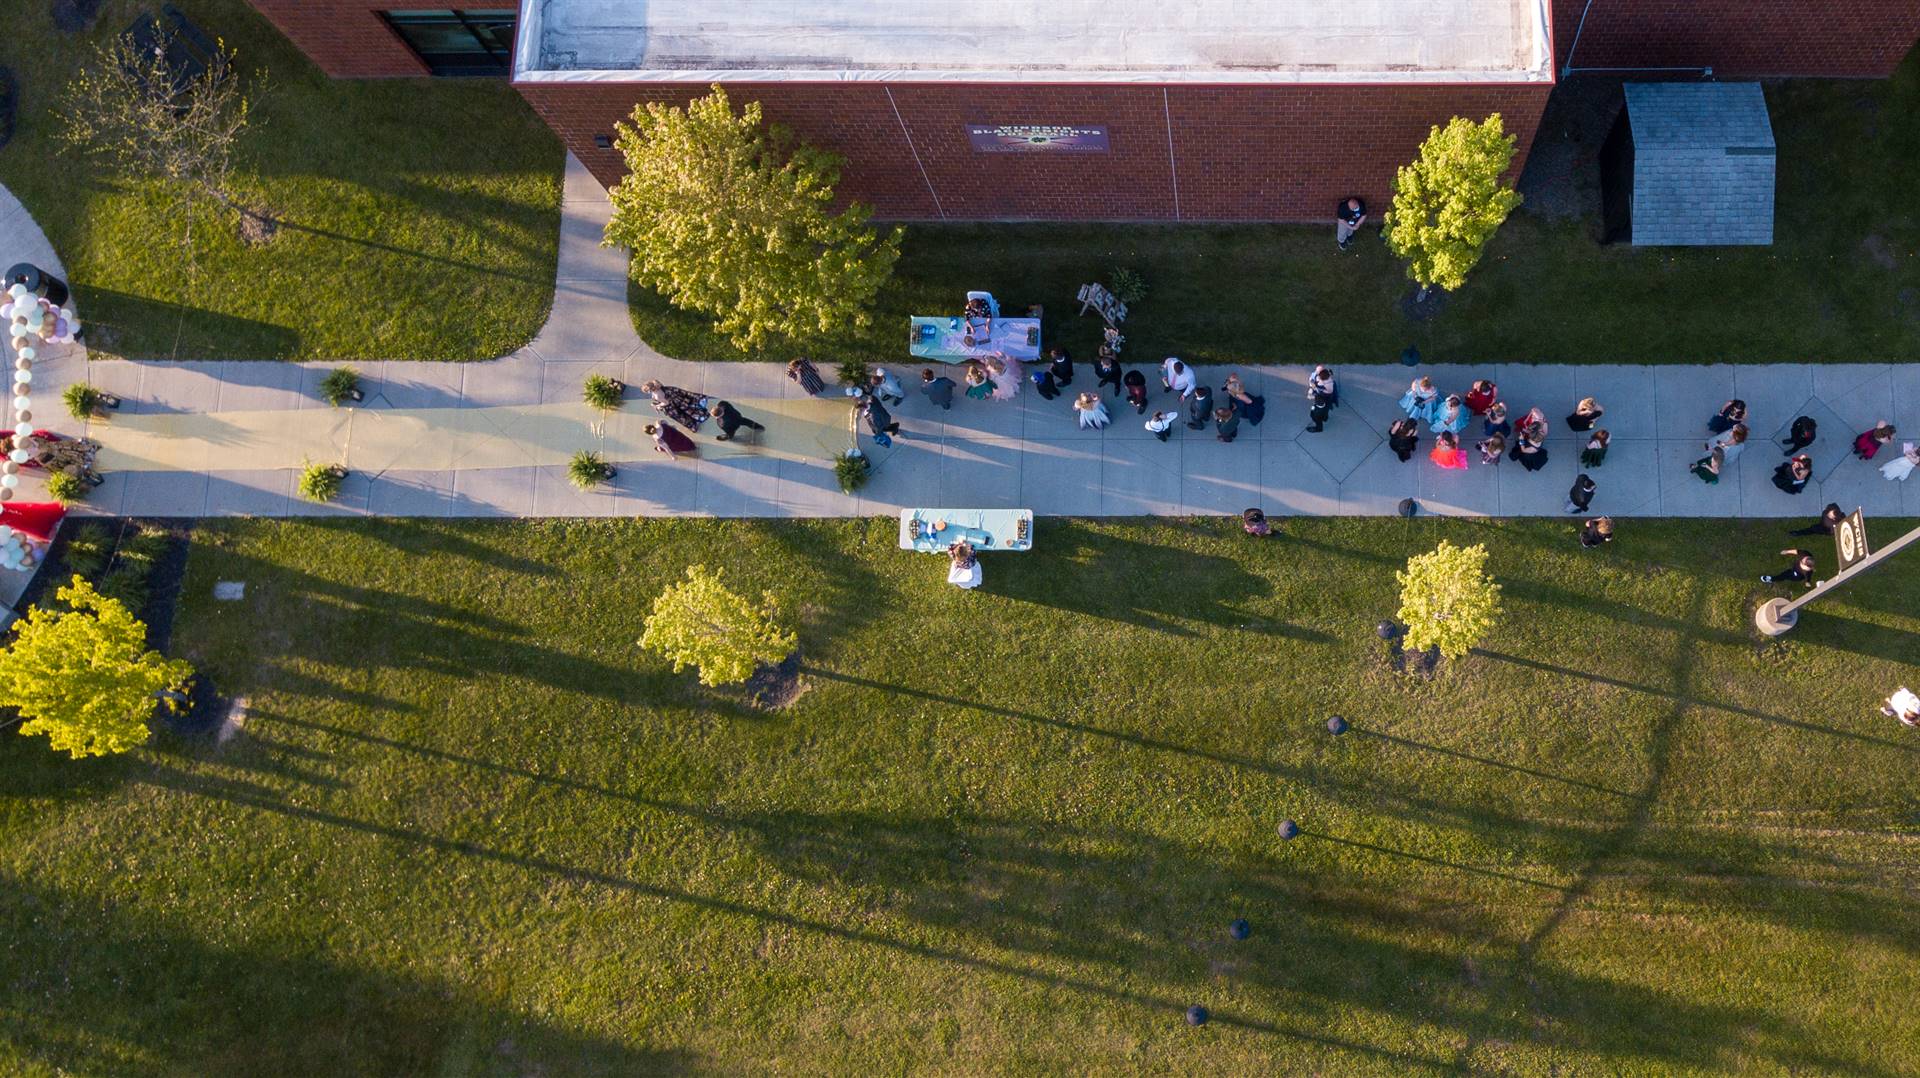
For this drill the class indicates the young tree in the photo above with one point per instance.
(1447, 600)
(1449, 201)
(129, 107)
(701, 622)
(83, 677)
(731, 219)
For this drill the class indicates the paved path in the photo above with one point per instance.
(490, 439)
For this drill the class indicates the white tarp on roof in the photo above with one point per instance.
(1150, 41)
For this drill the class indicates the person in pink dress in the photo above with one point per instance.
(1447, 452)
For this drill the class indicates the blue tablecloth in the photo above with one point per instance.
(945, 339)
(986, 529)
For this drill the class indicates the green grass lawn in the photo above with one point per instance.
(470, 829)
(1841, 282)
(419, 218)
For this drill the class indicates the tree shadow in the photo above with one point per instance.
(113, 315)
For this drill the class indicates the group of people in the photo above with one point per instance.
(690, 410)
(1523, 440)
(1727, 430)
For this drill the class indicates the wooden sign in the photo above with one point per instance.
(1108, 304)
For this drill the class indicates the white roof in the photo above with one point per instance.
(1066, 41)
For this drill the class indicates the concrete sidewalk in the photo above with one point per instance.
(468, 451)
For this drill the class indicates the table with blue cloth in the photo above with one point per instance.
(986, 529)
(945, 339)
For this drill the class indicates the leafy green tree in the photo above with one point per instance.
(731, 218)
(701, 622)
(1449, 201)
(1447, 600)
(82, 675)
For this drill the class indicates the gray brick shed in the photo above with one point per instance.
(1702, 164)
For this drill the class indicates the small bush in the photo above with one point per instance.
(87, 549)
(339, 385)
(586, 470)
(82, 399)
(66, 488)
(852, 471)
(853, 372)
(1126, 285)
(603, 393)
(127, 578)
(321, 482)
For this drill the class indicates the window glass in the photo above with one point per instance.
(458, 41)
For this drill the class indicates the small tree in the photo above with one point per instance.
(131, 108)
(701, 622)
(83, 677)
(1447, 600)
(1449, 201)
(731, 219)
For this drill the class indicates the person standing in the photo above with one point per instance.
(806, 376)
(668, 439)
(979, 386)
(1596, 531)
(1319, 406)
(1581, 494)
(1449, 416)
(938, 388)
(1418, 401)
(1177, 377)
(1904, 705)
(1595, 454)
(1161, 424)
(1493, 449)
(1200, 408)
(882, 384)
(1403, 437)
(1799, 569)
(1734, 411)
(879, 420)
(1447, 452)
(1902, 466)
(729, 419)
(1107, 371)
(1800, 435)
(1136, 384)
(1731, 442)
(1091, 410)
(1322, 380)
(1496, 422)
(1061, 365)
(1584, 415)
(1791, 477)
(1043, 383)
(1829, 519)
(1707, 468)
(1530, 448)
(1226, 423)
(1481, 395)
(1869, 442)
(683, 406)
(1348, 219)
(1244, 404)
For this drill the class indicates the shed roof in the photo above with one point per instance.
(1703, 163)
(1057, 41)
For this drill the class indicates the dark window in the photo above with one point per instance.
(465, 41)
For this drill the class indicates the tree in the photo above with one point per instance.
(731, 219)
(82, 675)
(1447, 600)
(701, 622)
(147, 118)
(1449, 201)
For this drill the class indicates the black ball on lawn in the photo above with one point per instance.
(1289, 829)
(1197, 1015)
(1387, 630)
(1336, 726)
(1411, 356)
(1240, 929)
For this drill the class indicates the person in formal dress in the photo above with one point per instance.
(879, 420)
(1060, 365)
(979, 386)
(1580, 495)
(1322, 380)
(1492, 449)
(1136, 384)
(882, 384)
(1091, 410)
(1161, 424)
(1730, 442)
(1006, 374)
(1417, 402)
(1722, 421)
(1867, 444)
(1200, 408)
(1319, 406)
(1530, 448)
(1448, 416)
(1800, 435)
(1496, 421)
(1245, 405)
(1226, 423)
(1707, 468)
(806, 376)
(1403, 437)
(1481, 395)
(1585, 414)
(1177, 377)
(1791, 477)
(1107, 372)
(668, 439)
(963, 566)
(1447, 452)
(682, 406)
(1595, 454)
(1902, 466)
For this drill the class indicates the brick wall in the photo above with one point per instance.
(1741, 38)
(346, 38)
(1285, 153)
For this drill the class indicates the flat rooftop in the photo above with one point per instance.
(1064, 41)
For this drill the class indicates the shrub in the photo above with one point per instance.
(133, 564)
(701, 622)
(1126, 285)
(852, 471)
(82, 400)
(1447, 600)
(321, 482)
(853, 372)
(603, 393)
(87, 549)
(339, 385)
(586, 470)
(67, 488)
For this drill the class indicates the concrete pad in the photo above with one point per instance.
(1062, 478)
(420, 385)
(103, 500)
(582, 257)
(1529, 385)
(740, 486)
(1684, 495)
(981, 475)
(1858, 484)
(118, 377)
(181, 387)
(247, 387)
(554, 495)
(1344, 443)
(903, 475)
(1292, 483)
(411, 494)
(1542, 493)
(590, 321)
(1474, 492)
(1909, 496)
(1377, 485)
(1371, 393)
(1130, 425)
(249, 493)
(164, 494)
(1629, 481)
(1862, 406)
(747, 381)
(808, 489)
(493, 492)
(1685, 397)
(1833, 381)
(1832, 443)
(1141, 478)
(497, 383)
(1219, 478)
(1760, 498)
(1774, 392)
(1905, 380)
(1055, 420)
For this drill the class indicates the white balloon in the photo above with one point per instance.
(23, 377)
(6, 533)
(9, 481)
(17, 291)
(29, 354)
(23, 429)
(22, 403)
(19, 456)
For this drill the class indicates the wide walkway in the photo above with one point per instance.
(492, 438)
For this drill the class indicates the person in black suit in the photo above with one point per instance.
(1581, 495)
(1830, 518)
(1792, 476)
(1403, 438)
(1061, 364)
(879, 420)
(1200, 408)
(730, 420)
(938, 388)
(1107, 369)
(1319, 406)
(1800, 435)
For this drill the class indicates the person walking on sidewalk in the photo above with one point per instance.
(883, 385)
(730, 420)
(1791, 477)
(1707, 468)
(1729, 443)
(879, 420)
(1581, 494)
(1869, 442)
(1799, 570)
(1829, 519)
(1348, 219)
(806, 376)
(668, 439)
(1800, 435)
(938, 388)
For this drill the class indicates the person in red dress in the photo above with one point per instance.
(1481, 396)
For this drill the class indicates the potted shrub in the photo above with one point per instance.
(84, 400)
(586, 470)
(852, 470)
(853, 372)
(341, 384)
(321, 482)
(66, 488)
(604, 393)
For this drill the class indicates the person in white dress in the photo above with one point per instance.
(1904, 705)
(1006, 373)
(1092, 411)
(1902, 466)
(963, 570)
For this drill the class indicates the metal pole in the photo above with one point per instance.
(1776, 616)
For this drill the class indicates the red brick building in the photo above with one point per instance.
(1199, 110)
